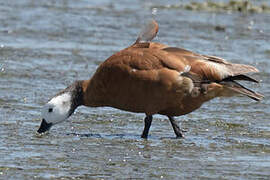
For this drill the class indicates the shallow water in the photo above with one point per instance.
(46, 45)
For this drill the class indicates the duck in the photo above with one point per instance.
(152, 78)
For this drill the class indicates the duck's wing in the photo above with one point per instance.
(208, 67)
(213, 69)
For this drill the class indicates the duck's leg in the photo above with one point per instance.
(177, 130)
(147, 124)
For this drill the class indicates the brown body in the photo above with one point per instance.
(153, 78)
(146, 78)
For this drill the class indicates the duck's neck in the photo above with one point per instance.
(85, 93)
(92, 95)
(77, 95)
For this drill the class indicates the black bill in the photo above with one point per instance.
(44, 126)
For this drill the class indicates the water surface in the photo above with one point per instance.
(46, 45)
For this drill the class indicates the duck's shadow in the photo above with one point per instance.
(117, 136)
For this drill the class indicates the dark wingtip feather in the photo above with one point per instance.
(236, 87)
(241, 77)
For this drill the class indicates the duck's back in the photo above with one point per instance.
(144, 80)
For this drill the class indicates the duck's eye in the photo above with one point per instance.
(50, 110)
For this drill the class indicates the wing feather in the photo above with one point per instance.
(210, 67)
